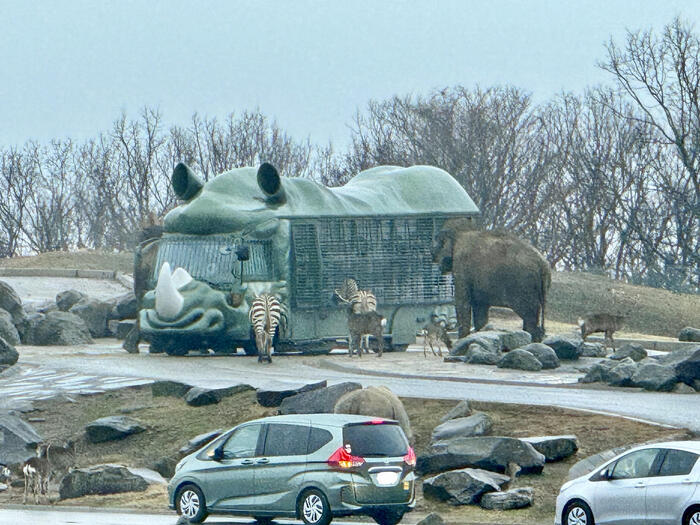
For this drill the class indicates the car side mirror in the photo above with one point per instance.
(217, 454)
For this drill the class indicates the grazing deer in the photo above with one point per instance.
(265, 315)
(602, 322)
(434, 333)
(37, 471)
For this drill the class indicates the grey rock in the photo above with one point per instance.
(432, 519)
(490, 453)
(165, 466)
(124, 327)
(199, 441)
(169, 388)
(544, 354)
(463, 486)
(3, 487)
(655, 377)
(689, 334)
(515, 339)
(19, 440)
(272, 396)
(593, 350)
(554, 448)
(57, 328)
(565, 347)
(599, 372)
(10, 302)
(688, 369)
(8, 331)
(454, 359)
(520, 360)
(8, 353)
(461, 409)
(621, 375)
(321, 401)
(475, 425)
(511, 499)
(479, 355)
(375, 401)
(682, 388)
(112, 428)
(95, 313)
(634, 351)
(125, 307)
(100, 479)
(490, 341)
(68, 298)
(131, 342)
(198, 396)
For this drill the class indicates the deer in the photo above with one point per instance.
(363, 319)
(434, 333)
(601, 322)
(37, 472)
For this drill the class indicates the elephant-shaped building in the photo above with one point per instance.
(249, 231)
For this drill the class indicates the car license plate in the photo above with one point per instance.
(387, 478)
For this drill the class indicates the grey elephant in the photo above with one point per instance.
(493, 269)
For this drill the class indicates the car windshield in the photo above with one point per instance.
(384, 440)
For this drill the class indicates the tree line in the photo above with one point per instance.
(603, 181)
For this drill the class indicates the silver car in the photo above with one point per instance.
(656, 484)
(310, 467)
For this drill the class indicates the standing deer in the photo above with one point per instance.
(37, 471)
(363, 319)
(265, 314)
(434, 333)
(602, 322)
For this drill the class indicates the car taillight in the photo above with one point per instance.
(342, 459)
(410, 458)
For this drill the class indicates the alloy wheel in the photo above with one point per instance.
(694, 518)
(189, 503)
(577, 516)
(312, 508)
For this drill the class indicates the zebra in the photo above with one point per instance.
(360, 301)
(363, 318)
(265, 315)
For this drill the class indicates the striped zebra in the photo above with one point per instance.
(363, 319)
(360, 301)
(265, 315)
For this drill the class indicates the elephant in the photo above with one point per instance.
(492, 268)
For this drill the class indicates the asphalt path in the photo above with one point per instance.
(678, 410)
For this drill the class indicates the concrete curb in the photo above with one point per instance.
(663, 346)
(78, 508)
(108, 275)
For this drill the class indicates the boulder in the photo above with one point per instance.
(621, 375)
(67, 299)
(18, 440)
(454, 359)
(490, 453)
(544, 354)
(8, 331)
(199, 396)
(461, 409)
(508, 500)
(565, 347)
(479, 355)
(554, 448)
(432, 519)
(599, 372)
(520, 360)
(8, 354)
(112, 428)
(131, 342)
(199, 441)
(682, 388)
(95, 313)
(165, 466)
(100, 479)
(10, 302)
(375, 401)
(272, 396)
(489, 340)
(57, 328)
(689, 334)
(513, 339)
(475, 425)
(169, 388)
(688, 369)
(321, 401)
(462, 487)
(123, 328)
(593, 350)
(655, 377)
(125, 306)
(634, 351)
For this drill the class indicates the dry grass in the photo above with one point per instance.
(81, 260)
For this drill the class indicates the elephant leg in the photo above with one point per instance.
(463, 307)
(481, 316)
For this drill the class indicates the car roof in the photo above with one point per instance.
(331, 420)
(690, 446)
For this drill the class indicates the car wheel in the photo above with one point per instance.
(577, 513)
(191, 504)
(692, 516)
(314, 508)
(387, 517)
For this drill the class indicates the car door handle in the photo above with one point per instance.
(263, 460)
(687, 480)
(640, 485)
(247, 462)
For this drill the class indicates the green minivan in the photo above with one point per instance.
(311, 467)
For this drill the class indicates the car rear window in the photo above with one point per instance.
(677, 463)
(382, 440)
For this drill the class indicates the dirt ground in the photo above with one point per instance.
(171, 422)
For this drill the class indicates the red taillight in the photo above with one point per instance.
(342, 459)
(410, 458)
(376, 422)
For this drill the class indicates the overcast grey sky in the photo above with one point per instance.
(69, 68)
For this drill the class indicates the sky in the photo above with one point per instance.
(70, 68)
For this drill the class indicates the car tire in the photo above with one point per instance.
(692, 516)
(190, 504)
(577, 513)
(388, 517)
(314, 508)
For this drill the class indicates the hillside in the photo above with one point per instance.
(649, 310)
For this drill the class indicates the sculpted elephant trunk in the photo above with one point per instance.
(185, 183)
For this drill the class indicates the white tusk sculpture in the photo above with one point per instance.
(169, 301)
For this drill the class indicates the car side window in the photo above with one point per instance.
(243, 442)
(636, 464)
(677, 463)
(317, 439)
(286, 440)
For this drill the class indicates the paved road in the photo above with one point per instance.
(106, 359)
